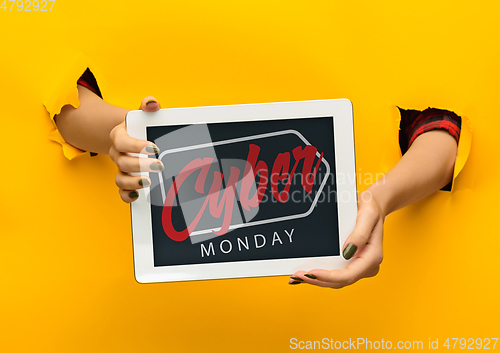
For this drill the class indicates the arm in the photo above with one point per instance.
(426, 167)
(100, 127)
(89, 126)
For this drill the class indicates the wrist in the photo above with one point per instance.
(376, 197)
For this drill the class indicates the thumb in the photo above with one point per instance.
(366, 221)
(150, 104)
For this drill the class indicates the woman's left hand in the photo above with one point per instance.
(122, 145)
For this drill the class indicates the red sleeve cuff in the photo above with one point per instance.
(88, 81)
(415, 122)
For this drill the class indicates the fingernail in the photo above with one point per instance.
(310, 276)
(144, 182)
(296, 278)
(157, 166)
(133, 195)
(294, 282)
(151, 101)
(152, 149)
(349, 251)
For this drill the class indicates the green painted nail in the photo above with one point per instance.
(144, 182)
(157, 166)
(294, 282)
(152, 149)
(296, 278)
(310, 276)
(349, 251)
(133, 195)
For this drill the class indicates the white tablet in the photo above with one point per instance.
(248, 190)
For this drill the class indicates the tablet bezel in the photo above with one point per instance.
(340, 109)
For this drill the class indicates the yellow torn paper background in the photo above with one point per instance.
(60, 91)
(65, 238)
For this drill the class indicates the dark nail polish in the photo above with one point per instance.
(310, 276)
(349, 251)
(152, 149)
(151, 101)
(133, 195)
(294, 282)
(157, 166)
(144, 182)
(296, 278)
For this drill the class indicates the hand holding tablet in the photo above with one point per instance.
(248, 190)
(121, 147)
(368, 236)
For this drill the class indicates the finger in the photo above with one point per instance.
(366, 220)
(122, 142)
(342, 276)
(371, 273)
(327, 284)
(113, 153)
(150, 104)
(335, 278)
(128, 182)
(129, 164)
(128, 195)
(313, 276)
(299, 277)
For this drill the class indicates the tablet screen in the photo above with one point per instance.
(244, 191)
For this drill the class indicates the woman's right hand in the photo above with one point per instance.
(364, 244)
(121, 147)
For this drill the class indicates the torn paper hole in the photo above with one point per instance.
(62, 90)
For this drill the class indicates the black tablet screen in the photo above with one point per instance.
(244, 191)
